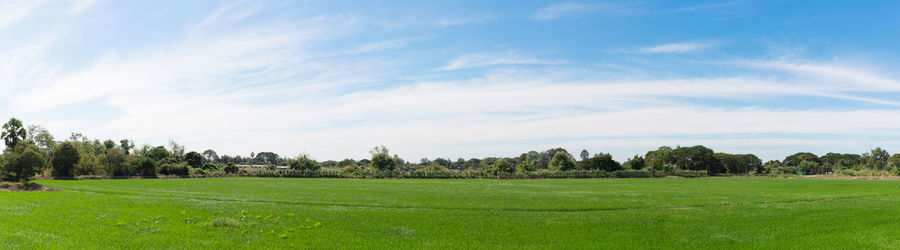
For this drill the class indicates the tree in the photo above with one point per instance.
(657, 159)
(158, 154)
(193, 159)
(637, 163)
(126, 145)
(109, 144)
(525, 166)
(231, 168)
(795, 159)
(177, 149)
(145, 166)
(501, 166)
(40, 137)
(267, 158)
(561, 161)
(114, 159)
(697, 158)
(877, 158)
(13, 132)
(304, 163)
(810, 167)
(381, 160)
(64, 158)
(894, 161)
(600, 162)
(210, 155)
(584, 154)
(22, 166)
(774, 166)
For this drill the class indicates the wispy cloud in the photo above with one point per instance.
(559, 10)
(679, 47)
(460, 21)
(497, 58)
(80, 5)
(11, 11)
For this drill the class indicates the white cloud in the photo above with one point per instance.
(679, 47)
(11, 11)
(80, 5)
(497, 58)
(566, 9)
(460, 21)
(274, 87)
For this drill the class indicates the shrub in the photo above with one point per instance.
(174, 169)
(303, 162)
(435, 167)
(89, 165)
(145, 166)
(381, 160)
(231, 168)
(600, 162)
(525, 166)
(21, 166)
(209, 167)
(115, 160)
(193, 159)
(352, 168)
(64, 158)
(499, 167)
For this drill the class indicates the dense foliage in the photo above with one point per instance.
(36, 152)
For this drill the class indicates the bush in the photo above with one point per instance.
(303, 162)
(381, 160)
(525, 166)
(193, 159)
(499, 167)
(231, 168)
(145, 166)
(209, 167)
(21, 166)
(600, 161)
(352, 168)
(64, 158)
(174, 169)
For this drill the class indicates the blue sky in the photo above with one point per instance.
(458, 78)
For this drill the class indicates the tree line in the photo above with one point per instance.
(32, 151)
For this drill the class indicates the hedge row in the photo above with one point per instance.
(450, 174)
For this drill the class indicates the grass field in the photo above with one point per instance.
(417, 213)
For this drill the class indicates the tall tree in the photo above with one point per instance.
(13, 132)
(585, 154)
(126, 145)
(381, 160)
(210, 155)
(40, 137)
(561, 161)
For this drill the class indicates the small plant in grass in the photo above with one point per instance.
(225, 222)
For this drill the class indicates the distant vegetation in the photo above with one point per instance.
(32, 151)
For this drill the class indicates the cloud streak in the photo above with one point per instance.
(497, 58)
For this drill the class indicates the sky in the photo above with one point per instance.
(452, 79)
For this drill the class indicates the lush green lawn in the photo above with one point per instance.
(392, 213)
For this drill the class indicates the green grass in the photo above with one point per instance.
(410, 213)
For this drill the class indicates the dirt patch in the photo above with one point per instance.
(24, 187)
